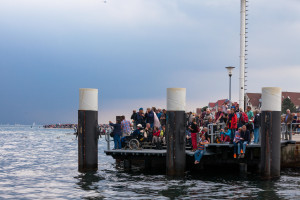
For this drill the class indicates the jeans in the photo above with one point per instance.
(117, 141)
(256, 135)
(198, 155)
(237, 147)
(244, 146)
(232, 133)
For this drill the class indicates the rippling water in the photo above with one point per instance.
(37, 163)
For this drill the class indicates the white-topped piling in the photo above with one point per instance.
(88, 130)
(175, 131)
(270, 132)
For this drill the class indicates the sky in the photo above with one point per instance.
(132, 50)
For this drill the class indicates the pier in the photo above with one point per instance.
(216, 155)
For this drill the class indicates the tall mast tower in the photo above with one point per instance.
(243, 53)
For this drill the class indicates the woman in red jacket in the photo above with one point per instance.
(232, 123)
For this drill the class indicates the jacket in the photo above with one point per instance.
(257, 121)
(117, 129)
(232, 123)
(288, 119)
(134, 116)
(140, 120)
(245, 135)
(156, 133)
(228, 133)
(150, 117)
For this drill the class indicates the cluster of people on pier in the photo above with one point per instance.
(234, 126)
(146, 126)
(228, 126)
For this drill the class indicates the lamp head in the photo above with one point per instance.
(230, 69)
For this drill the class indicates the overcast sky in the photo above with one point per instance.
(132, 50)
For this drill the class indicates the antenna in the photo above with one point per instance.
(243, 51)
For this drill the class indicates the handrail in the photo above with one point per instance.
(211, 130)
(288, 128)
(107, 138)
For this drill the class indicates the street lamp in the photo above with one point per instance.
(230, 69)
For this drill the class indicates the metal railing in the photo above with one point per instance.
(107, 137)
(216, 127)
(287, 130)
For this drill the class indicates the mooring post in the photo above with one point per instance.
(87, 130)
(270, 132)
(175, 132)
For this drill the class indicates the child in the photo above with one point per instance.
(199, 153)
(155, 138)
(237, 142)
(225, 135)
(162, 138)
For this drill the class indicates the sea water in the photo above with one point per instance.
(38, 163)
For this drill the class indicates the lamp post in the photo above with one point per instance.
(230, 69)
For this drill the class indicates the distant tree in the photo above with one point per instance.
(288, 104)
(204, 108)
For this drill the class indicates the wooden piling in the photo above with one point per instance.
(175, 132)
(270, 132)
(88, 130)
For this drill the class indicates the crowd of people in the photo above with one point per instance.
(147, 126)
(231, 126)
(291, 122)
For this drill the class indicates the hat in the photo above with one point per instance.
(139, 126)
(141, 109)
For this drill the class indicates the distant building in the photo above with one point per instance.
(214, 106)
(254, 99)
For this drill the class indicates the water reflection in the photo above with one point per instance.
(89, 181)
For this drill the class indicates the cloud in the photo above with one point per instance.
(133, 50)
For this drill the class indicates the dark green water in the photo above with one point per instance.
(37, 163)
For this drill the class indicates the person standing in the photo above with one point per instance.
(288, 120)
(163, 118)
(134, 118)
(117, 132)
(194, 130)
(256, 126)
(232, 123)
(125, 126)
(158, 113)
(149, 117)
(140, 118)
(243, 120)
(219, 116)
(250, 120)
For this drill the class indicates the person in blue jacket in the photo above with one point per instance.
(150, 117)
(117, 134)
(225, 135)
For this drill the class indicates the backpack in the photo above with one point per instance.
(244, 118)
